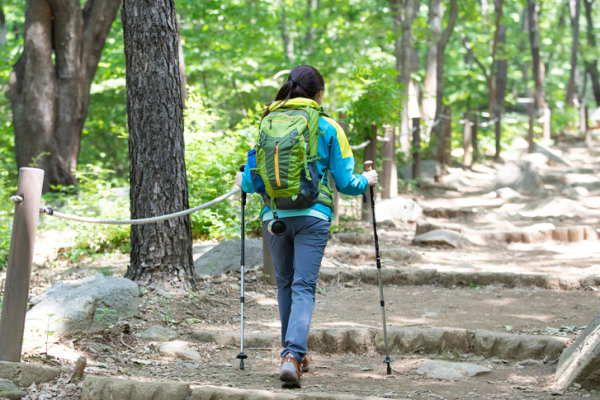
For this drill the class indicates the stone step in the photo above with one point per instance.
(405, 340)
(449, 279)
(97, 387)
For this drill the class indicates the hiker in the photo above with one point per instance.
(297, 145)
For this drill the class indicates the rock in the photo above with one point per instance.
(587, 180)
(455, 181)
(539, 160)
(518, 175)
(159, 334)
(498, 226)
(202, 248)
(508, 194)
(441, 237)
(398, 209)
(450, 371)
(178, 349)
(430, 169)
(554, 207)
(100, 388)
(354, 237)
(226, 257)
(8, 390)
(580, 362)
(575, 192)
(75, 305)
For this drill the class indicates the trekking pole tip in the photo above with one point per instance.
(368, 165)
(241, 364)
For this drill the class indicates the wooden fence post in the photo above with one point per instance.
(474, 132)
(389, 172)
(268, 268)
(466, 140)
(370, 153)
(530, 141)
(20, 259)
(547, 124)
(416, 142)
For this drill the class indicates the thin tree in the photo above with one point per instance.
(50, 83)
(574, 8)
(430, 82)
(591, 66)
(441, 54)
(533, 14)
(491, 74)
(161, 253)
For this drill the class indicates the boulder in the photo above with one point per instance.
(554, 207)
(575, 192)
(588, 181)
(519, 175)
(178, 349)
(580, 362)
(539, 160)
(508, 194)
(430, 169)
(8, 390)
(226, 257)
(159, 334)
(443, 237)
(455, 181)
(398, 209)
(78, 305)
(450, 371)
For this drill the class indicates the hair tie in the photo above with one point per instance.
(293, 82)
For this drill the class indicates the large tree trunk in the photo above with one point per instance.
(501, 76)
(311, 6)
(430, 83)
(50, 83)
(591, 67)
(288, 43)
(441, 48)
(161, 253)
(533, 8)
(574, 7)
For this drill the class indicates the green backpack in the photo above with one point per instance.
(286, 172)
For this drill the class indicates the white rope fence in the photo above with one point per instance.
(51, 212)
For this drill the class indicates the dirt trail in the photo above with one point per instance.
(354, 303)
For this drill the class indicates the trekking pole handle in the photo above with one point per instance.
(368, 165)
(242, 167)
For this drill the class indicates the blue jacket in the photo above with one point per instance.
(334, 153)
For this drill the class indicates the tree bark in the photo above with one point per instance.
(574, 8)
(50, 83)
(430, 82)
(311, 5)
(474, 139)
(183, 76)
(161, 253)
(441, 48)
(591, 67)
(533, 8)
(501, 77)
(466, 139)
(288, 43)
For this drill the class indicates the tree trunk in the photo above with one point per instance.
(50, 83)
(441, 48)
(288, 43)
(574, 7)
(430, 82)
(533, 8)
(501, 76)
(311, 5)
(184, 92)
(591, 67)
(161, 253)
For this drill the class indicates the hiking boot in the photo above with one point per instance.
(291, 372)
(305, 361)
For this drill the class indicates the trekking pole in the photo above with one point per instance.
(369, 167)
(242, 356)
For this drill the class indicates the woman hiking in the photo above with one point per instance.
(298, 144)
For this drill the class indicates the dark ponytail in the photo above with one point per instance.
(303, 81)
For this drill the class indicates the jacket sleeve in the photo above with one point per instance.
(341, 163)
(247, 185)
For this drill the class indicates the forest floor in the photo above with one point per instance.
(559, 311)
